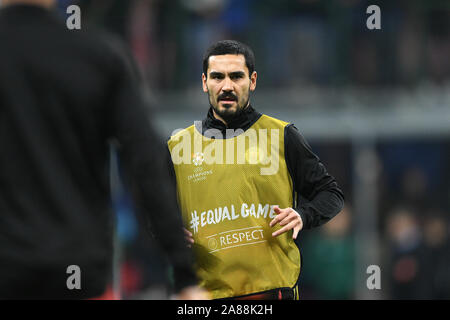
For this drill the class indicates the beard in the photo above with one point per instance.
(227, 113)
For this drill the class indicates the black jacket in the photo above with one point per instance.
(319, 196)
(64, 97)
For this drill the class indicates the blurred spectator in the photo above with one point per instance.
(437, 255)
(408, 53)
(330, 258)
(414, 170)
(419, 257)
(438, 45)
(406, 254)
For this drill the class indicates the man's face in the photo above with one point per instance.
(228, 85)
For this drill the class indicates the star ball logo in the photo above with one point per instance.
(198, 158)
(212, 243)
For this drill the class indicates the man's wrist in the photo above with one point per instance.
(304, 216)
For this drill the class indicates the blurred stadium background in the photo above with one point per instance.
(374, 105)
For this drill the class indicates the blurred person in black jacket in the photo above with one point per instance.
(64, 97)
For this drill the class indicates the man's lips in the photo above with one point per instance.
(227, 99)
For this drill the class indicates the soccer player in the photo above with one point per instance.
(247, 184)
(64, 96)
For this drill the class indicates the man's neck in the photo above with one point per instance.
(218, 117)
(42, 3)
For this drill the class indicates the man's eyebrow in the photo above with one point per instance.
(231, 74)
(215, 73)
(237, 73)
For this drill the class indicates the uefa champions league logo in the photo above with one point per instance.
(198, 158)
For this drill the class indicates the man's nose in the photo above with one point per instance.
(228, 85)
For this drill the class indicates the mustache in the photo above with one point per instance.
(227, 96)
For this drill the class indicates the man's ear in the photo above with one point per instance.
(253, 78)
(205, 87)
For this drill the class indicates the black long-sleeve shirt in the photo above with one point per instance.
(64, 96)
(319, 196)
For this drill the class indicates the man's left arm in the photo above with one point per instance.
(321, 196)
(322, 199)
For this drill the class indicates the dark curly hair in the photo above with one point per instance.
(229, 47)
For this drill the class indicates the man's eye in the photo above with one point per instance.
(217, 76)
(236, 76)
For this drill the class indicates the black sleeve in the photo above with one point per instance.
(142, 153)
(319, 197)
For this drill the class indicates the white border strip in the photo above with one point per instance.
(234, 230)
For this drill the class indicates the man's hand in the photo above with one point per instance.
(193, 293)
(290, 219)
(188, 237)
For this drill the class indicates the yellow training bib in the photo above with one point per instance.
(227, 189)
